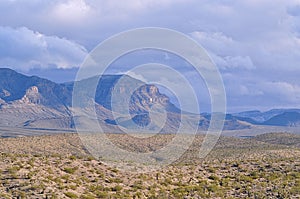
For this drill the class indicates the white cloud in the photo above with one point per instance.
(225, 52)
(217, 42)
(239, 61)
(23, 49)
(71, 11)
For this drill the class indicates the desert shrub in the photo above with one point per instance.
(95, 188)
(137, 195)
(162, 194)
(295, 190)
(87, 196)
(138, 185)
(212, 188)
(73, 187)
(295, 175)
(4, 196)
(115, 170)
(211, 170)
(224, 182)
(71, 195)
(117, 188)
(101, 194)
(70, 170)
(90, 158)
(254, 175)
(245, 178)
(272, 176)
(214, 177)
(116, 180)
(100, 174)
(50, 171)
(13, 169)
(65, 177)
(166, 182)
(77, 181)
(72, 157)
(178, 192)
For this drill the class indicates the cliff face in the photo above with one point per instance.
(145, 97)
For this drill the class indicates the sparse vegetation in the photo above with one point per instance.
(265, 171)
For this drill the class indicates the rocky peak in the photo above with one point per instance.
(32, 96)
(33, 90)
(145, 97)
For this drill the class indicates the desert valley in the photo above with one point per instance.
(42, 155)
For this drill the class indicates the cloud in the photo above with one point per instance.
(86, 21)
(283, 91)
(254, 43)
(227, 53)
(22, 48)
(71, 11)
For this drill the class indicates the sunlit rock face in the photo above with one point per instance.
(32, 96)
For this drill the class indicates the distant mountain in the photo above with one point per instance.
(34, 102)
(255, 115)
(290, 119)
(261, 117)
(231, 122)
(144, 96)
(15, 86)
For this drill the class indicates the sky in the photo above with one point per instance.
(254, 43)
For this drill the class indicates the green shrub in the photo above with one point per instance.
(71, 195)
(70, 170)
(214, 177)
(117, 188)
(101, 194)
(72, 157)
(87, 196)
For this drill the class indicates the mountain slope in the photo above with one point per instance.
(290, 119)
(39, 103)
(14, 86)
(143, 98)
(231, 122)
(259, 117)
(34, 102)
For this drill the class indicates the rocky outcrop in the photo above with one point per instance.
(32, 96)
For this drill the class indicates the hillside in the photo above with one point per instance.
(288, 139)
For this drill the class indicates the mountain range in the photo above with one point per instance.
(34, 102)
